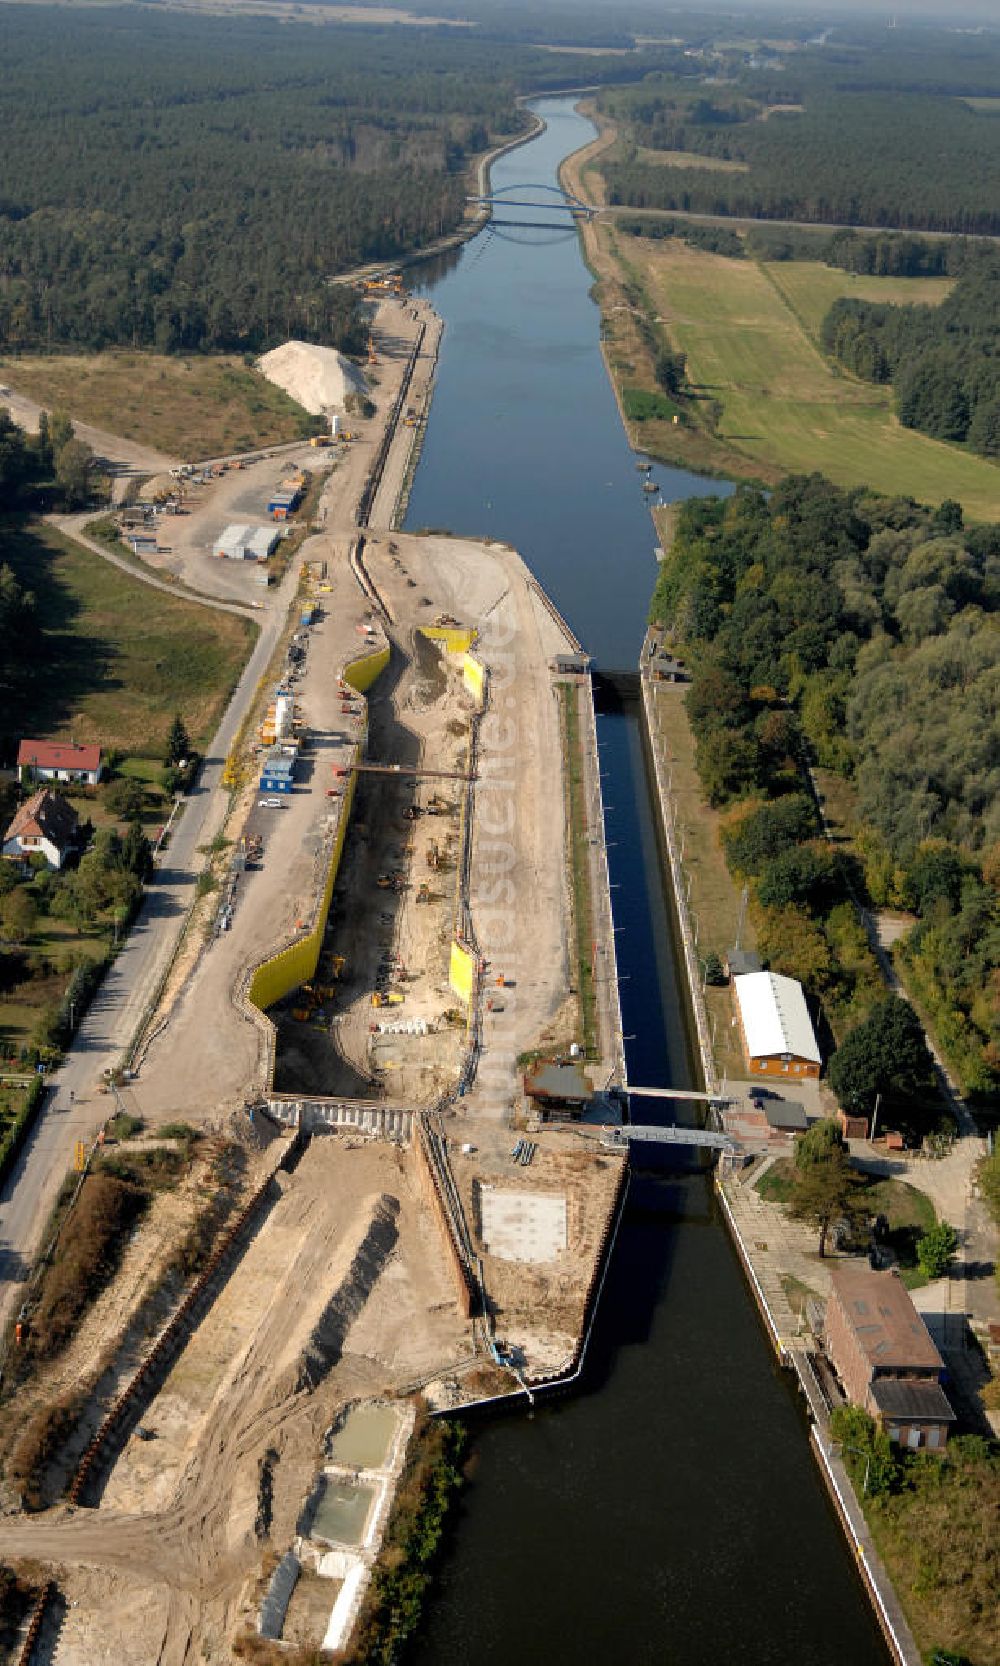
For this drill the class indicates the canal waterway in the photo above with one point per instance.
(669, 1511)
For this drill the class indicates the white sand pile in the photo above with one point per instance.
(320, 378)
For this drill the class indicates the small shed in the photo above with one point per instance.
(569, 665)
(739, 962)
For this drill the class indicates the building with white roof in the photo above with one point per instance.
(246, 543)
(777, 1033)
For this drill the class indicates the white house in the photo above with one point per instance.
(53, 760)
(44, 825)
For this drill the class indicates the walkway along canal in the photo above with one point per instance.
(670, 1511)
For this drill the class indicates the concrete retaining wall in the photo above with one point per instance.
(327, 1116)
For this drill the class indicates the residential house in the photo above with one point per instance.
(885, 1357)
(50, 760)
(44, 825)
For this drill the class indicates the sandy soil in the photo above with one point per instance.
(319, 378)
(341, 1293)
(539, 1306)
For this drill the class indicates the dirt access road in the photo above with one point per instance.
(342, 1293)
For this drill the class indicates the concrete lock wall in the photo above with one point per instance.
(462, 973)
(277, 976)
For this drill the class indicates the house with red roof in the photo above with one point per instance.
(56, 760)
(45, 825)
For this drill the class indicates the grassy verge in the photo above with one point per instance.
(579, 865)
(935, 1530)
(185, 407)
(715, 898)
(745, 330)
(119, 660)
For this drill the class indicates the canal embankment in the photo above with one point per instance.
(743, 1213)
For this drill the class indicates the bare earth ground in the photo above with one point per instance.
(342, 1293)
(539, 1307)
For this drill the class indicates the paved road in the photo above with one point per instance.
(73, 1108)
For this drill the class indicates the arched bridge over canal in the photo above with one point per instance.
(549, 197)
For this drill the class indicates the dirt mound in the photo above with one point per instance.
(320, 378)
(326, 1340)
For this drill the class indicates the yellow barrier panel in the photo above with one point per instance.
(473, 676)
(457, 639)
(285, 971)
(462, 973)
(289, 968)
(361, 673)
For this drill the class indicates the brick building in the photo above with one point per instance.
(885, 1357)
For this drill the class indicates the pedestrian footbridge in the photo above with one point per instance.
(668, 1134)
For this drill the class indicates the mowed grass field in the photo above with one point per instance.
(188, 408)
(782, 403)
(119, 658)
(810, 289)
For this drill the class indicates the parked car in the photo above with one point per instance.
(271, 803)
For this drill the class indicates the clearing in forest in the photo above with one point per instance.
(782, 404)
(186, 407)
(120, 659)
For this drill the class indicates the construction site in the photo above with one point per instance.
(386, 937)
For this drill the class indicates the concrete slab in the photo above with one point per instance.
(523, 1226)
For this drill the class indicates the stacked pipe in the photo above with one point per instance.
(127, 1401)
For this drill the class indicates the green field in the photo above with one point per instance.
(782, 404)
(120, 658)
(187, 407)
(810, 289)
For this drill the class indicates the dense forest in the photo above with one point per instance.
(944, 362)
(860, 632)
(843, 157)
(189, 183)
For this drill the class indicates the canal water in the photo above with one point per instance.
(670, 1510)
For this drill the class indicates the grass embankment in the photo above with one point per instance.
(120, 659)
(745, 330)
(184, 407)
(715, 898)
(935, 1530)
(579, 867)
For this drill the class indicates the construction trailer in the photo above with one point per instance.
(281, 504)
(277, 773)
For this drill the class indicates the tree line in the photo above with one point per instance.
(944, 362)
(898, 159)
(859, 631)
